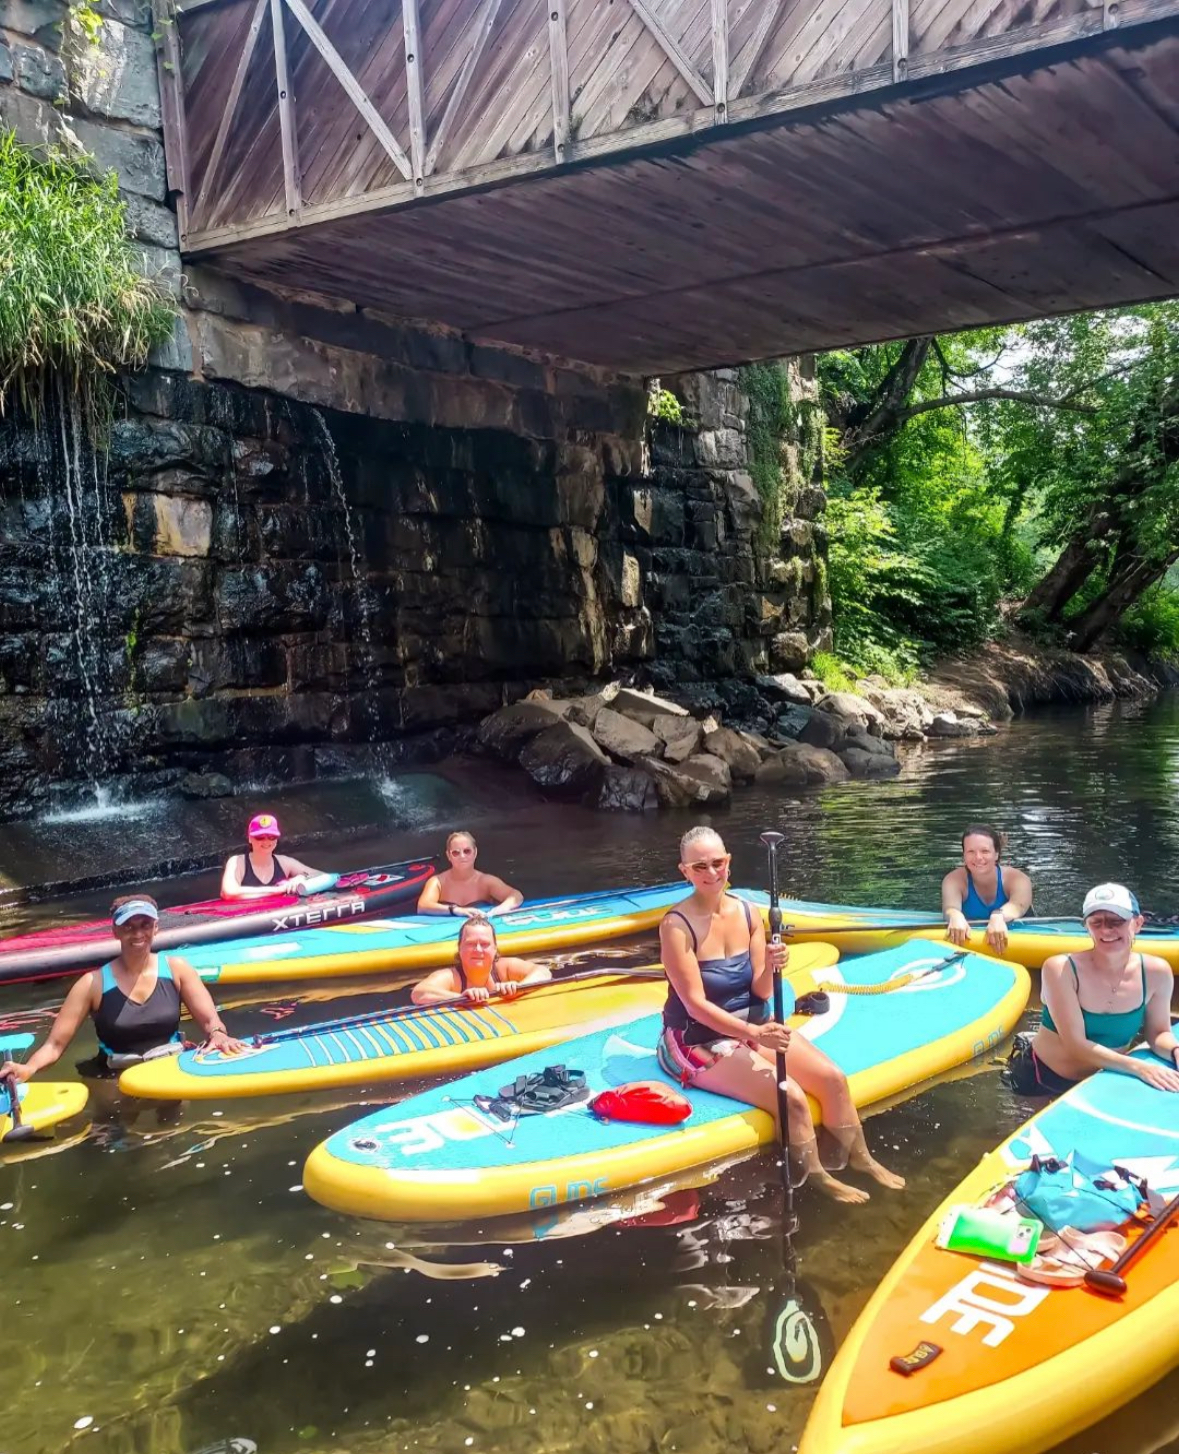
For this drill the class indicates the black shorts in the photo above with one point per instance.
(1027, 1074)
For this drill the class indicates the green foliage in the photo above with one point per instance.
(72, 301)
(771, 417)
(832, 672)
(663, 404)
(85, 15)
(1151, 625)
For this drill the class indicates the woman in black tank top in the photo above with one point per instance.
(134, 1000)
(479, 970)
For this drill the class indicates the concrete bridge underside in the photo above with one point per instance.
(659, 185)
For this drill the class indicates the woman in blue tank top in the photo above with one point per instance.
(134, 1001)
(715, 1034)
(983, 890)
(1098, 1004)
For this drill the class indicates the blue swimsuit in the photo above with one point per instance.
(973, 906)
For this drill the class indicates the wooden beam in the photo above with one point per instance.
(414, 70)
(720, 57)
(900, 39)
(739, 74)
(235, 91)
(455, 99)
(672, 49)
(1109, 14)
(355, 91)
(559, 61)
(286, 116)
(172, 114)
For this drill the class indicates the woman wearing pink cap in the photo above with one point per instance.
(1099, 1004)
(260, 873)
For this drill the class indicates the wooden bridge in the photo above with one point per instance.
(658, 185)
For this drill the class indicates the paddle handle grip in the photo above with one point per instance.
(1110, 1280)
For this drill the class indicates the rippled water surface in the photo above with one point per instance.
(171, 1284)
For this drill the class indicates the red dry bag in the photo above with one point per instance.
(642, 1100)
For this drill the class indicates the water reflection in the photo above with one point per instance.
(173, 1284)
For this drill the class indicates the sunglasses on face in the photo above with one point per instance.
(705, 865)
(1104, 921)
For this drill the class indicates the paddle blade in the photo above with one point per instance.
(798, 1338)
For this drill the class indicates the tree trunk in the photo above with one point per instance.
(1072, 568)
(1117, 598)
(881, 415)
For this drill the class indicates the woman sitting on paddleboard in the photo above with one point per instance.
(479, 971)
(462, 889)
(260, 871)
(984, 890)
(720, 970)
(134, 1001)
(1099, 1003)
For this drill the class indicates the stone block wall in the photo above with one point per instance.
(316, 528)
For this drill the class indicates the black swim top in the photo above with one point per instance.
(125, 1028)
(728, 983)
(250, 879)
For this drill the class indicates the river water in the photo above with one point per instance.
(168, 1285)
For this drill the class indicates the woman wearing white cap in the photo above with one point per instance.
(134, 1001)
(1099, 1003)
(260, 872)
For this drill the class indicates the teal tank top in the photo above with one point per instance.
(1113, 1031)
(973, 905)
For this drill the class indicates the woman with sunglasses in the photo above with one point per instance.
(463, 889)
(262, 871)
(1098, 1004)
(715, 1031)
(134, 1002)
(479, 971)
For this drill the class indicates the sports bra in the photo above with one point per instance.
(728, 984)
(1113, 1030)
(974, 907)
(125, 1028)
(250, 879)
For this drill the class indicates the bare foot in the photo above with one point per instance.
(870, 1167)
(838, 1191)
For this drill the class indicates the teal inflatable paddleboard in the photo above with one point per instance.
(439, 1157)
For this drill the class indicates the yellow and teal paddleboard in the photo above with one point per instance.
(1020, 1366)
(43, 1104)
(919, 1010)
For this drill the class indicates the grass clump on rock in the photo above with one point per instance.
(73, 299)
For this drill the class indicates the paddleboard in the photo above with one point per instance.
(856, 930)
(43, 1104)
(1022, 1366)
(67, 949)
(437, 1157)
(426, 941)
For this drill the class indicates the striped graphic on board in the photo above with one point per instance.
(411, 1035)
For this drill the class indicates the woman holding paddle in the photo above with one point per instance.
(983, 890)
(1098, 1004)
(720, 971)
(479, 971)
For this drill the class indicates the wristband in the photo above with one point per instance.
(1175, 1057)
(450, 910)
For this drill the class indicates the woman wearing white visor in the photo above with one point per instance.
(134, 1001)
(1098, 1004)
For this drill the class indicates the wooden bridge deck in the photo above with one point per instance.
(656, 185)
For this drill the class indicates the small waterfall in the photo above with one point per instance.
(370, 670)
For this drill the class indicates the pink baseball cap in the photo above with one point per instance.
(263, 825)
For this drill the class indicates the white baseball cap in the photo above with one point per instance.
(1111, 899)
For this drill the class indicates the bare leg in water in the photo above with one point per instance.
(749, 1076)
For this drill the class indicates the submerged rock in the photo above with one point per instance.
(628, 790)
(799, 764)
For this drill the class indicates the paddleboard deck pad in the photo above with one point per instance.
(1021, 1366)
(48, 953)
(438, 1157)
(441, 1040)
(426, 941)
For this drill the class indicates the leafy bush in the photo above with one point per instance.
(1151, 625)
(72, 300)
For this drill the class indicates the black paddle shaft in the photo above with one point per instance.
(771, 841)
(18, 1130)
(1109, 1279)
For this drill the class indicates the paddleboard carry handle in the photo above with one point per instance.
(1109, 1280)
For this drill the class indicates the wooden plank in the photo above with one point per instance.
(286, 115)
(720, 57)
(352, 87)
(900, 39)
(172, 114)
(559, 63)
(227, 115)
(673, 50)
(414, 63)
(455, 100)
(741, 69)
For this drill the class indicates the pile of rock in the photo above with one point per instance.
(626, 749)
